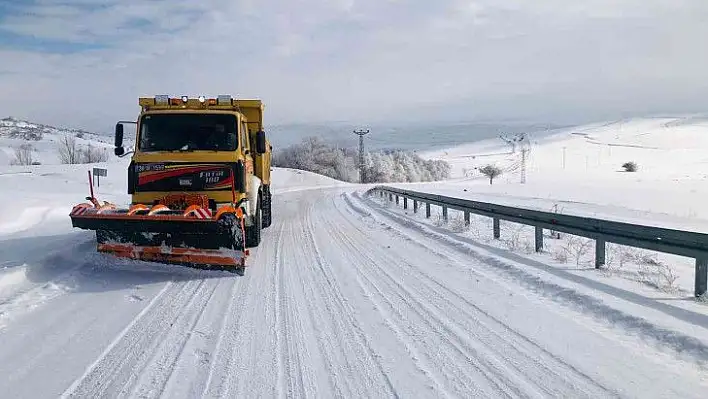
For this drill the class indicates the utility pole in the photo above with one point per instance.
(563, 157)
(361, 134)
(523, 165)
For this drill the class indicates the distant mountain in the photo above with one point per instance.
(18, 129)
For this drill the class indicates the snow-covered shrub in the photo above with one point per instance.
(630, 166)
(657, 274)
(577, 247)
(560, 255)
(71, 153)
(514, 241)
(68, 150)
(315, 155)
(438, 220)
(93, 154)
(529, 247)
(24, 155)
(457, 223)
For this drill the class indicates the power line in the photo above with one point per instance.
(361, 134)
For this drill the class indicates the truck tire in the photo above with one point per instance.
(253, 232)
(267, 215)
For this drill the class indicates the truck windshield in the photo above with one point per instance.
(188, 132)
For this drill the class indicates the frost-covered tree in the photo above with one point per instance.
(491, 172)
(314, 155)
(93, 154)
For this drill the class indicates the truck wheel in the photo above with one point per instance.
(267, 215)
(253, 232)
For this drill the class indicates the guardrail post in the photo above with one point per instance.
(444, 209)
(390, 197)
(405, 202)
(381, 194)
(467, 218)
(599, 253)
(497, 228)
(539, 239)
(427, 210)
(397, 199)
(701, 277)
(415, 206)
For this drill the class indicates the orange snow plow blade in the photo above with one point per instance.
(181, 256)
(195, 236)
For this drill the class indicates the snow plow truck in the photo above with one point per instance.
(199, 178)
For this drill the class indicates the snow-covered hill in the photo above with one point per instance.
(44, 140)
(583, 165)
(20, 129)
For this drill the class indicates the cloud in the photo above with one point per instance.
(85, 62)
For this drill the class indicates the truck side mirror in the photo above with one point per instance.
(119, 150)
(260, 142)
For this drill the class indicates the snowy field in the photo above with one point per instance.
(346, 297)
(668, 190)
(582, 167)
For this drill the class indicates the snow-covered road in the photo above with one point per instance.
(342, 299)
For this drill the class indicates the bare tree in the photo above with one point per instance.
(23, 155)
(69, 152)
(491, 172)
(93, 155)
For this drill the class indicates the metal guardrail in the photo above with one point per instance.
(677, 242)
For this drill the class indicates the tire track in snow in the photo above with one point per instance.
(132, 349)
(321, 330)
(447, 351)
(221, 367)
(299, 378)
(253, 365)
(534, 368)
(219, 378)
(412, 350)
(153, 380)
(541, 368)
(193, 370)
(247, 358)
(658, 336)
(374, 380)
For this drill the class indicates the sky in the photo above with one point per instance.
(84, 63)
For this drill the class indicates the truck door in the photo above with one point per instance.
(247, 154)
